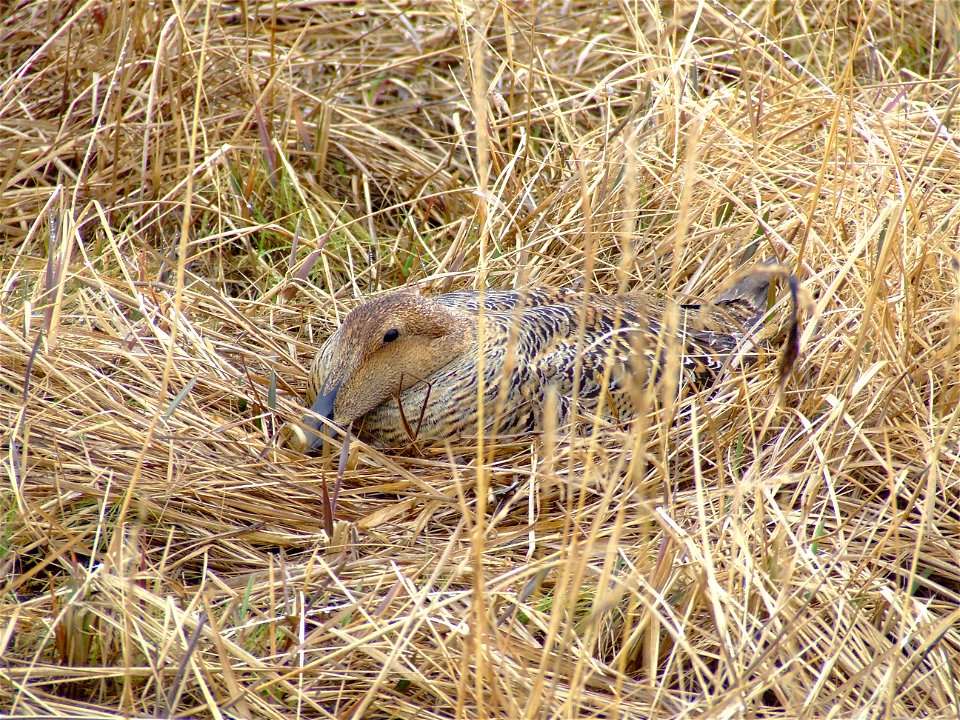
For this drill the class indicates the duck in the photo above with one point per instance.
(407, 369)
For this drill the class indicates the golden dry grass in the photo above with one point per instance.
(192, 194)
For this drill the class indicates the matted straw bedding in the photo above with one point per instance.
(192, 195)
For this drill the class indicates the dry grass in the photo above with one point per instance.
(191, 195)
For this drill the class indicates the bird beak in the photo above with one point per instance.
(322, 406)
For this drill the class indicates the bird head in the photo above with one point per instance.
(382, 348)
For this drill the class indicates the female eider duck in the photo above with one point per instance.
(403, 368)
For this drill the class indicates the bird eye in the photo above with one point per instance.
(391, 335)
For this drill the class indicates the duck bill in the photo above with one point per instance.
(322, 408)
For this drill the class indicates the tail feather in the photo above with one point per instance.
(749, 299)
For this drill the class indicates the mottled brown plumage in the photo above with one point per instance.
(404, 368)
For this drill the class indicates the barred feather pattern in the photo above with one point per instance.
(403, 368)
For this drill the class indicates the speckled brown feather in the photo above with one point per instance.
(423, 385)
